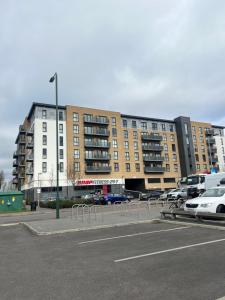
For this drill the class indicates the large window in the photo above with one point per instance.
(124, 123)
(76, 153)
(173, 147)
(61, 156)
(44, 167)
(61, 167)
(116, 167)
(127, 156)
(134, 124)
(114, 143)
(44, 153)
(126, 145)
(135, 135)
(75, 117)
(44, 114)
(144, 125)
(115, 155)
(75, 128)
(77, 166)
(137, 167)
(76, 141)
(44, 140)
(60, 128)
(113, 121)
(61, 141)
(154, 126)
(135, 145)
(125, 134)
(60, 115)
(136, 156)
(127, 167)
(44, 126)
(114, 131)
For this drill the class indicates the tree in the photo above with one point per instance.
(72, 176)
(2, 178)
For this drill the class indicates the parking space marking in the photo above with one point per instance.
(131, 235)
(168, 250)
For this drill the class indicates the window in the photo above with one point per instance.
(114, 131)
(75, 129)
(127, 167)
(163, 127)
(44, 167)
(166, 157)
(61, 153)
(76, 153)
(187, 140)
(113, 121)
(198, 167)
(165, 147)
(125, 134)
(175, 168)
(44, 140)
(200, 130)
(154, 180)
(115, 155)
(135, 135)
(60, 116)
(154, 126)
(114, 144)
(135, 145)
(61, 167)
(186, 128)
(44, 153)
(203, 148)
(127, 156)
(76, 141)
(60, 128)
(137, 167)
(61, 141)
(77, 166)
(75, 117)
(167, 168)
(174, 157)
(164, 137)
(116, 167)
(171, 128)
(204, 157)
(169, 180)
(144, 125)
(136, 156)
(195, 148)
(44, 127)
(205, 166)
(173, 147)
(134, 124)
(124, 123)
(44, 114)
(196, 157)
(172, 138)
(193, 129)
(194, 138)
(126, 145)
(201, 139)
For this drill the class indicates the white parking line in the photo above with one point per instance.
(168, 250)
(131, 235)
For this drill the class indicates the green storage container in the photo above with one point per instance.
(11, 201)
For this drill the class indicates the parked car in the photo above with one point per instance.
(211, 201)
(164, 196)
(154, 194)
(177, 194)
(116, 198)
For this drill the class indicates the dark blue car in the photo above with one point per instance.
(116, 198)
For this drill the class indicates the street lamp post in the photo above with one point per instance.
(39, 190)
(55, 78)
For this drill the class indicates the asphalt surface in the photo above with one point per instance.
(86, 265)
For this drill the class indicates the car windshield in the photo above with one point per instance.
(174, 191)
(214, 193)
(193, 180)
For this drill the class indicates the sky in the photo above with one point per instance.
(154, 58)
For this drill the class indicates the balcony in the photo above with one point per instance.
(22, 140)
(211, 141)
(30, 157)
(22, 163)
(96, 120)
(153, 158)
(15, 181)
(152, 148)
(209, 132)
(212, 150)
(15, 163)
(96, 131)
(22, 175)
(15, 154)
(151, 137)
(29, 171)
(99, 169)
(21, 152)
(30, 145)
(154, 169)
(22, 129)
(97, 157)
(95, 144)
(30, 132)
(15, 172)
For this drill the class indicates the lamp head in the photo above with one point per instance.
(52, 79)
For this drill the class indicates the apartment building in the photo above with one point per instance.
(109, 151)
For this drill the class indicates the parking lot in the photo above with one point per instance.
(145, 261)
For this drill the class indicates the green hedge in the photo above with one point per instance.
(64, 203)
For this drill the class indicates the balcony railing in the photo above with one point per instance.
(95, 144)
(22, 152)
(151, 137)
(153, 158)
(211, 141)
(209, 132)
(29, 171)
(96, 120)
(97, 157)
(22, 140)
(96, 131)
(15, 181)
(30, 157)
(15, 163)
(22, 163)
(212, 150)
(30, 145)
(15, 154)
(22, 175)
(22, 129)
(99, 169)
(152, 147)
(154, 169)
(15, 172)
(30, 132)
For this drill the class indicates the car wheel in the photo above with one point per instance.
(220, 209)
